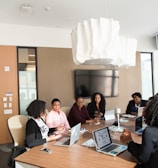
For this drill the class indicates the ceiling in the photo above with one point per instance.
(136, 17)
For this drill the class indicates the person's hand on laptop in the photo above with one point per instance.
(125, 137)
(53, 137)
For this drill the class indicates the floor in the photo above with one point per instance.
(5, 151)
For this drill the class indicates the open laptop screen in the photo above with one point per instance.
(138, 123)
(102, 137)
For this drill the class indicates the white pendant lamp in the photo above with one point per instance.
(98, 42)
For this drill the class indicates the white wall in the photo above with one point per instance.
(34, 36)
(17, 35)
(146, 44)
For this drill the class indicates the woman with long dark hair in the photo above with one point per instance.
(97, 105)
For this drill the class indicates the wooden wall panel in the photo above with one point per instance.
(8, 84)
(56, 78)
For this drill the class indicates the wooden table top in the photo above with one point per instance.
(78, 155)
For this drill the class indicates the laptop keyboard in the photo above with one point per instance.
(63, 141)
(110, 148)
(67, 142)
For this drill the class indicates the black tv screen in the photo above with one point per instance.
(88, 82)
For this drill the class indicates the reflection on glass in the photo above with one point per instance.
(27, 77)
(155, 69)
(146, 75)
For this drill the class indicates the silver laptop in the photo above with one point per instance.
(104, 143)
(69, 140)
(139, 125)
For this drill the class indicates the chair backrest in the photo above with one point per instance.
(17, 125)
(65, 109)
(86, 103)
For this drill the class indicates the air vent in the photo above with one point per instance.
(26, 8)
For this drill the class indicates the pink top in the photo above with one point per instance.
(54, 119)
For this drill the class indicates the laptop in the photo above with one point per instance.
(104, 143)
(139, 125)
(69, 140)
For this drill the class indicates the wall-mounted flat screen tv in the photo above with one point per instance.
(88, 82)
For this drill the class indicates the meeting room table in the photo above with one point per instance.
(79, 155)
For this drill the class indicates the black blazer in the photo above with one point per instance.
(92, 108)
(33, 134)
(131, 106)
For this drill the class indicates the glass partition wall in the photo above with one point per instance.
(27, 71)
(147, 75)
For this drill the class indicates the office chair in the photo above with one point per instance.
(65, 109)
(17, 126)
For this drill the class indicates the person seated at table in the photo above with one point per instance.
(147, 152)
(133, 105)
(78, 113)
(57, 118)
(96, 108)
(36, 129)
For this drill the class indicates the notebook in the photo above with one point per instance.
(104, 143)
(139, 125)
(69, 140)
